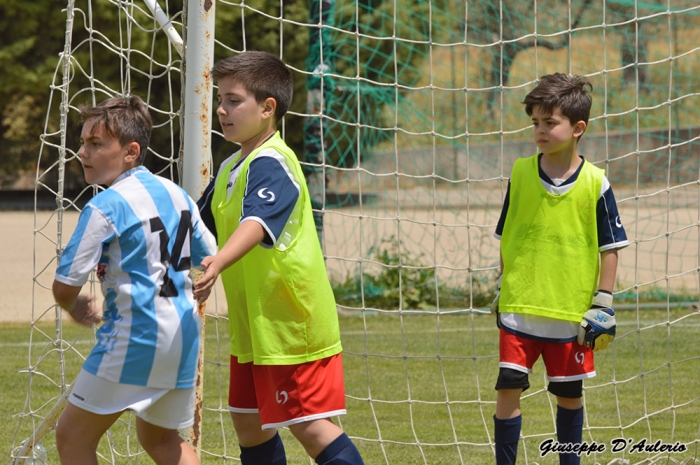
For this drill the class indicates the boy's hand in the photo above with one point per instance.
(204, 285)
(84, 311)
(597, 329)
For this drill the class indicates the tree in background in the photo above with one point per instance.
(32, 36)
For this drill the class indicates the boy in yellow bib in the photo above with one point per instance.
(286, 367)
(560, 232)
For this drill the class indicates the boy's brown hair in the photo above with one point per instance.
(262, 74)
(126, 118)
(570, 93)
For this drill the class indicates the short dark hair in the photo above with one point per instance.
(126, 118)
(262, 74)
(570, 93)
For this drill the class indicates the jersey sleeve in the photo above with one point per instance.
(85, 247)
(203, 241)
(611, 233)
(271, 193)
(204, 206)
(504, 211)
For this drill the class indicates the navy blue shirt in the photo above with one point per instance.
(270, 196)
(611, 233)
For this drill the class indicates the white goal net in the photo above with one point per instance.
(408, 118)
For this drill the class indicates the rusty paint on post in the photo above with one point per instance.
(197, 95)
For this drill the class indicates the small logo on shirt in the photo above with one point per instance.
(78, 397)
(580, 356)
(279, 395)
(101, 271)
(617, 221)
(266, 194)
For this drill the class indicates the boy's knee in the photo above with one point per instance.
(63, 438)
(512, 379)
(566, 389)
(70, 443)
(315, 435)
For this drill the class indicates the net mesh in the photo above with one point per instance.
(408, 118)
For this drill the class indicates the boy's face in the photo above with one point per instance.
(553, 132)
(103, 158)
(243, 120)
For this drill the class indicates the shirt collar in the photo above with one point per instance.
(130, 172)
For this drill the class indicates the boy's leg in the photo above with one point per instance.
(304, 397)
(158, 417)
(569, 417)
(258, 446)
(79, 432)
(517, 355)
(569, 430)
(249, 430)
(165, 446)
(507, 425)
(567, 365)
(326, 443)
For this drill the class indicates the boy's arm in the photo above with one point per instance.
(245, 237)
(608, 270)
(598, 326)
(80, 307)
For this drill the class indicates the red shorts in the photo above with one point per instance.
(564, 361)
(288, 394)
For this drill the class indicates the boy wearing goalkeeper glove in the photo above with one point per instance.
(560, 231)
(286, 367)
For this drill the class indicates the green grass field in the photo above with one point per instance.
(420, 390)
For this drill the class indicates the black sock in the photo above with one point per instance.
(569, 430)
(506, 436)
(340, 452)
(270, 452)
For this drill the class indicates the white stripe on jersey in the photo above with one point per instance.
(81, 263)
(272, 153)
(146, 338)
(169, 343)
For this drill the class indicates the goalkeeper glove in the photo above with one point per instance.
(597, 329)
(494, 304)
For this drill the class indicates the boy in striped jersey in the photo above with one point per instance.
(142, 233)
(560, 232)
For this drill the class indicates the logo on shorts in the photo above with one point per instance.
(579, 357)
(77, 396)
(279, 395)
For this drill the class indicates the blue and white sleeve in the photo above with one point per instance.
(271, 193)
(85, 247)
(611, 233)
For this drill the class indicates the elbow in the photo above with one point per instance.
(64, 295)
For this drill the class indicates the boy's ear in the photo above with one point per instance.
(133, 150)
(579, 128)
(269, 107)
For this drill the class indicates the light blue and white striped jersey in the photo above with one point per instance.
(143, 234)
